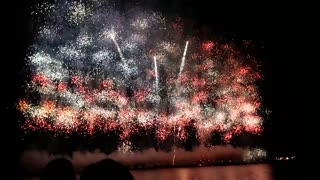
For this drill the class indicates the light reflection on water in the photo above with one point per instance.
(248, 172)
(240, 172)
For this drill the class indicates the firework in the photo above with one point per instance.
(96, 69)
(254, 154)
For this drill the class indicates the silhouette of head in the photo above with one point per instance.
(58, 169)
(106, 169)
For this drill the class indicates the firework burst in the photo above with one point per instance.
(96, 69)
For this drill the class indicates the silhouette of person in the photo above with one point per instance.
(106, 169)
(58, 169)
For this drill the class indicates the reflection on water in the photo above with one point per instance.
(248, 172)
(240, 172)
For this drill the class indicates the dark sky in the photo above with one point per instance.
(269, 26)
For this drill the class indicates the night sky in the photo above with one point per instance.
(270, 30)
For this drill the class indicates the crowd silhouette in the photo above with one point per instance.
(62, 169)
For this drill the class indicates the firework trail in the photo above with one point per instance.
(156, 73)
(94, 69)
(112, 36)
(183, 58)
